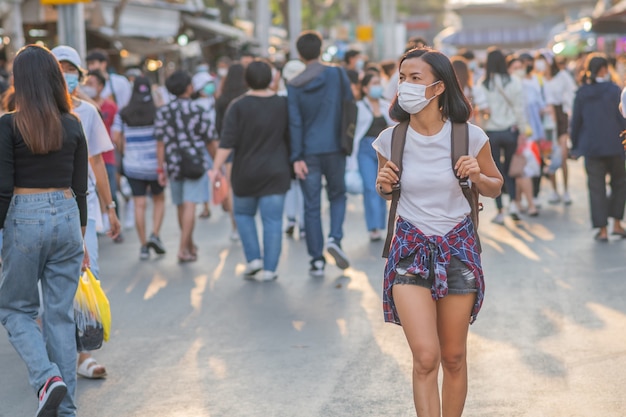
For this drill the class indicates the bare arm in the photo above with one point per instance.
(482, 171)
(387, 177)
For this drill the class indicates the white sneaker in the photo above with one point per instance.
(537, 202)
(252, 268)
(129, 215)
(317, 268)
(268, 276)
(337, 253)
(567, 200)
(499, 219)
(555, 198)
(234, 236)
(514, 211)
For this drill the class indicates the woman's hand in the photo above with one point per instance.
(387, 177)
(467, 167)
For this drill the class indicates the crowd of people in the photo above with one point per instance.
(269, 139)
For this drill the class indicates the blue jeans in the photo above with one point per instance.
(503, 146)
(333, 167)
(271, 207)
(375, 206)
(43, 242)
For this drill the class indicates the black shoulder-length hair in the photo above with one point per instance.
(140, 110)
(496, 64)
(452, 102)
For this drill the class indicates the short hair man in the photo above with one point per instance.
(315, 104)
(117, 87)
(353, 60)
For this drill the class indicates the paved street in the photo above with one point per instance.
(197, 340)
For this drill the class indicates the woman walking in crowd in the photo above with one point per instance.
(43, 188)
(133, 130)
(500, 96)
(372, 118)
(559, 89)
(203, 94)
(98, 142)
(433, 283)
(596, 127)
(256, 131)
(233, 86)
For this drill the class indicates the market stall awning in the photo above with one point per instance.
(216, 27)
(612, 21)
(480, 37)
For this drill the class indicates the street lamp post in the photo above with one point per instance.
(262, 25)
(295, 26)
(71, 26)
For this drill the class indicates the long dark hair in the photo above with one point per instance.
(496, 64)
(41, 98)
(140, 110)
(593, 64)
(234, 84)
(452, 102)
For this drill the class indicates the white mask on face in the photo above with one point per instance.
(412, 97)
(540, 65)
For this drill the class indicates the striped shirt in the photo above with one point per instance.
(140, 151)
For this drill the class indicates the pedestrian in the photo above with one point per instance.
(294, 201)
(256, 131)
(596, 128)
(133, 130)
(500, 97)
(99, 191)
(233, 86)
(315, 100)
(43, 207)
(559, 89)
(433, 284)
(181, 134)
(93, 87)
(372, 118)
(204, 95)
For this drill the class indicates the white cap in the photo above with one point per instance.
(199, 80)
(69, 54)
(292, 69)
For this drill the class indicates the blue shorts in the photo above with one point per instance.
(190, 191)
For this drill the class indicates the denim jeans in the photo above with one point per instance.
(333, 167)
(375, 206)
(91, 243)
(503, 145)
(42, 242)
(271, 207)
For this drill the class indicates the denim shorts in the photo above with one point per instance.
(190, 191)
(461, 280)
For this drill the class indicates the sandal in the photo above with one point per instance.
(601, 238)
(620, 233)
(205, 214)
(187, 257)
(90, 369)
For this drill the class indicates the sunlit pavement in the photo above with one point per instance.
(196, 340)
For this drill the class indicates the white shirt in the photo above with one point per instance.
(98, 141)
(560, 90)
(119, 89)
(431, 197)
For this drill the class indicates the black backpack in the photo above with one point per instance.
(460, 146)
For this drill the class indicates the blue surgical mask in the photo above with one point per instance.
(72, 82)
(376, 91)
(209, 89)
(359, 64)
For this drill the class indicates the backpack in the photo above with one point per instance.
(459, 139)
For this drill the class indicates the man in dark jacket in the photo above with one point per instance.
(315, 105)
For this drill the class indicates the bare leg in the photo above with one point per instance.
(453, 314)
(418, 314)
(186, 216)
(525, 189)
(158, 212)
(140, 218)
(564, 150)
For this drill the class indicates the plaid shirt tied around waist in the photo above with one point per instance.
(432, 253)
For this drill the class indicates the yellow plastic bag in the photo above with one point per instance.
(92, 313)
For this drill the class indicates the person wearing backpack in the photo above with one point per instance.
(433, 283)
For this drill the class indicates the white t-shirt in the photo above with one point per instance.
(560, 90)
(431, 198)
(119, 89)
(98, 141)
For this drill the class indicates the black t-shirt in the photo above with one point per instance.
(65, 168)
(378, 125)
(257, 129)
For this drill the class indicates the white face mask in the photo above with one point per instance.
(540, 65)
(412, 97)
(520, 73)
(222, 72)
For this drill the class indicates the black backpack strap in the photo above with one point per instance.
(398, 140)
(460, 146)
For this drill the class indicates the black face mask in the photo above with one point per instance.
(529, 68)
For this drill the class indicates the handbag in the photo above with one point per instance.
(191, 165)
(220, 189)
(348, 117)
(516, 168)
(354, 182)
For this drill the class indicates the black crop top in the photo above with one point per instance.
(65, 168)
